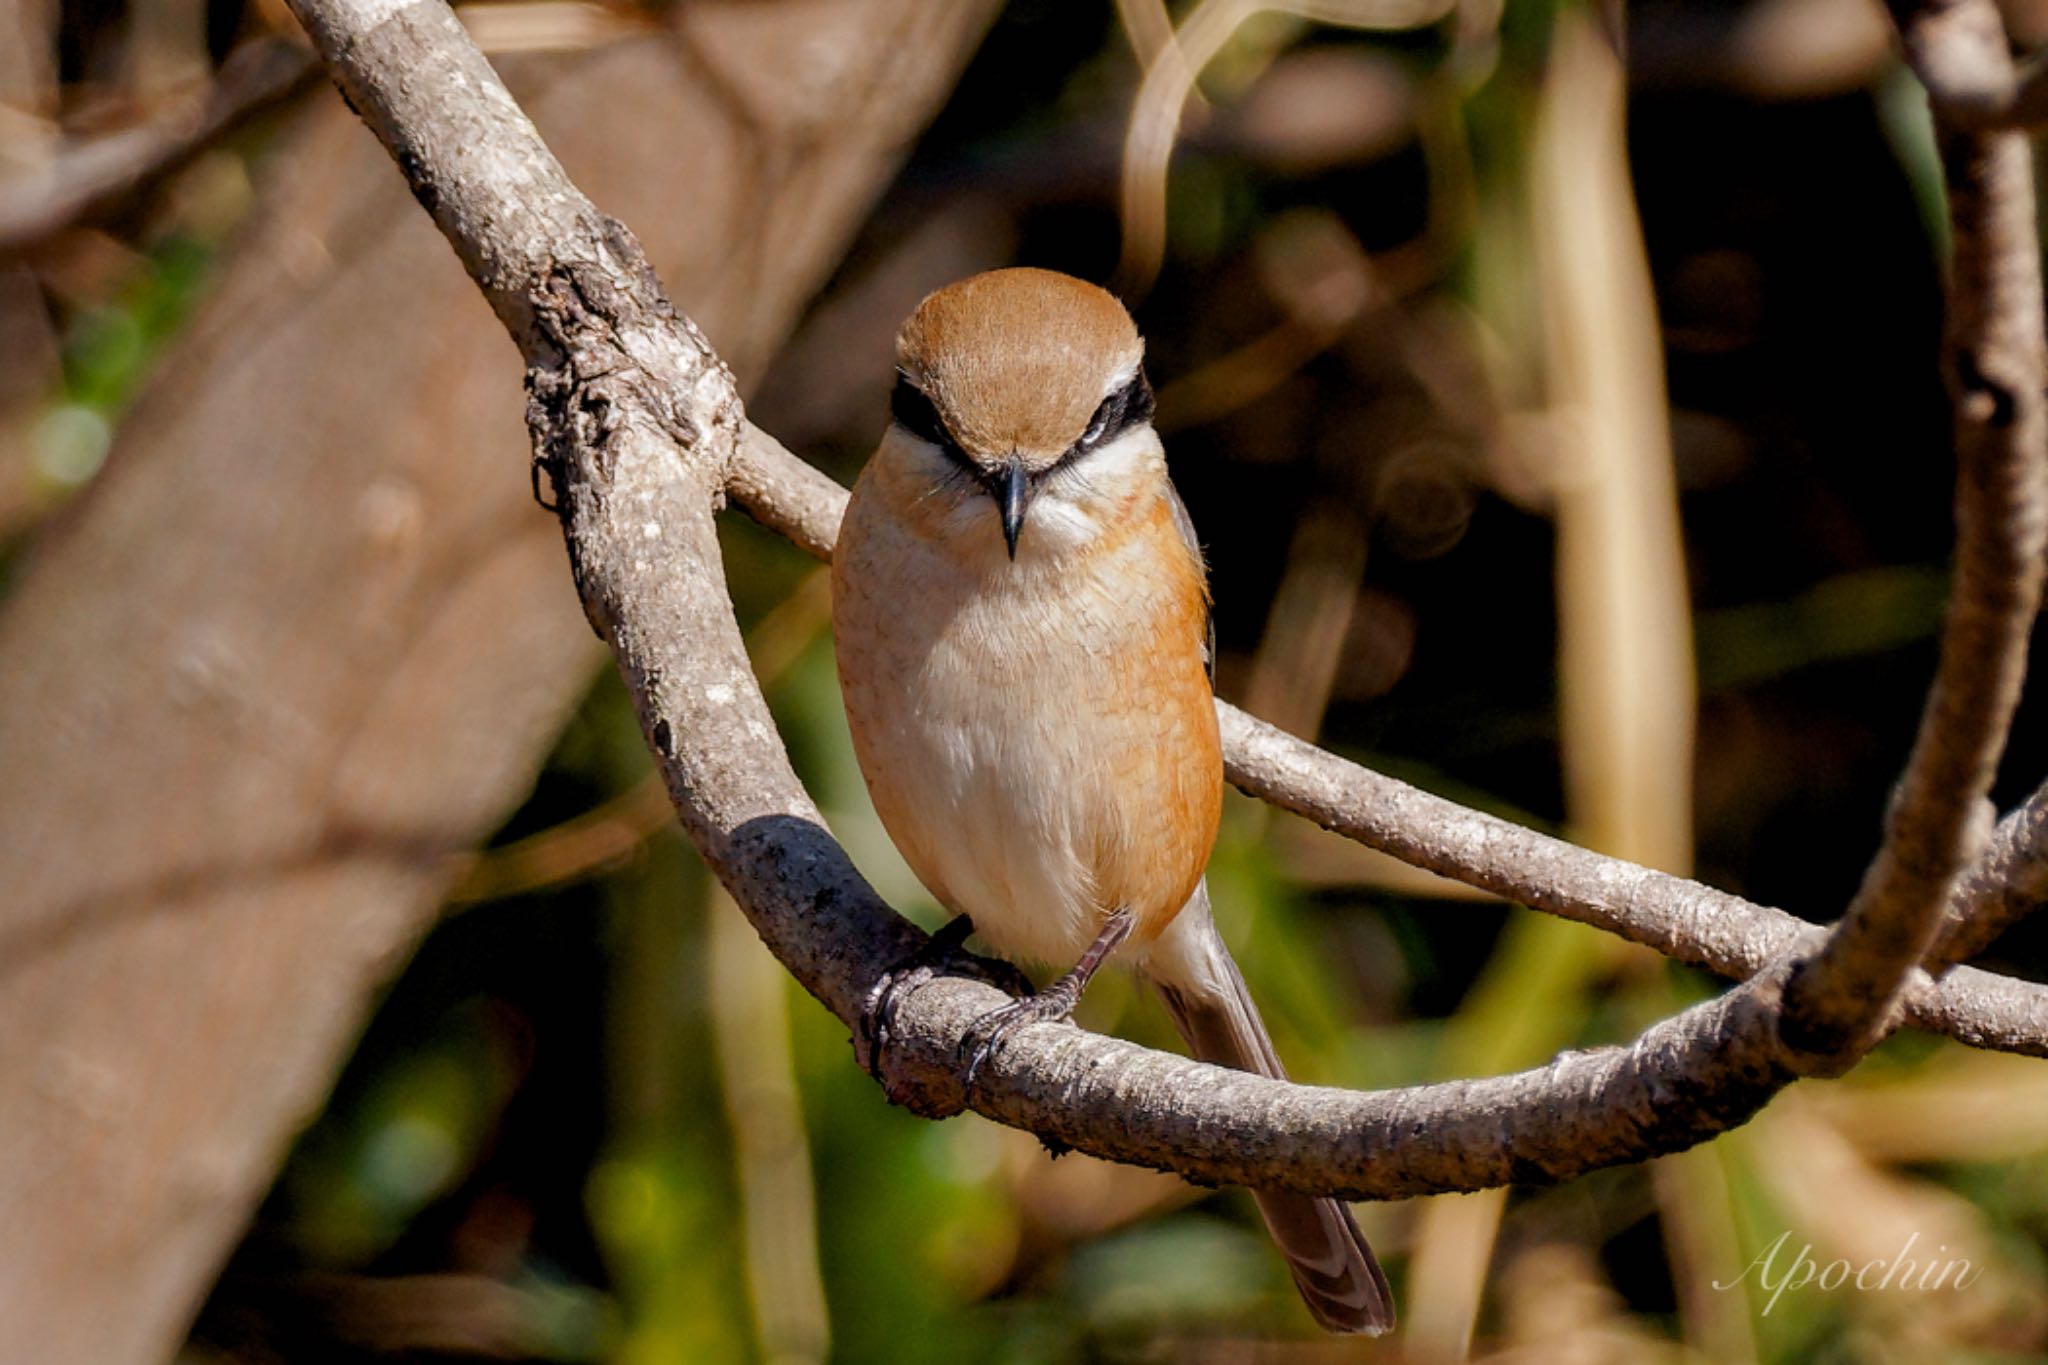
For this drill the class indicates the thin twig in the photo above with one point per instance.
(1682, 919)
(2001, 888)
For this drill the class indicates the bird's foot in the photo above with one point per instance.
(1053, 1005)
(941, 955)
(986, 1035)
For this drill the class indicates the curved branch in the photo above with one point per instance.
(1683, 1081)
(1940, 816)
(2002, 888)
(1681, 919)
(638, 425)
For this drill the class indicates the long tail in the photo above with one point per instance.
(1334, 1269)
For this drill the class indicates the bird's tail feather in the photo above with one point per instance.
(1334, 1269)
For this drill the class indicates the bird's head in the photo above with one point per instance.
(1022, 394)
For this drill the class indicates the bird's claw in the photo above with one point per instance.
(986, 1035)
(941, 955)
(878, 1010)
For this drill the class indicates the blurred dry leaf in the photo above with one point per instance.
(1148, 24)
(28, 71)
(1309, 619)
(1695, 1207)
(1448, 1273)
(1625, 648)
(89, 166)
(165, 48)
(833, 378)
(1316, 858)
(1323, 107)
(1312, 266)
(463, 1314)
(1078, 1198)
(771, 1150)
(614, 831)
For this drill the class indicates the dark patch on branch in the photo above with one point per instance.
(418, 181)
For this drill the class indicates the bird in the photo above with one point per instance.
(1021, 621)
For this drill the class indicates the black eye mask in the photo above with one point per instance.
(1118, 413)
(915, 414)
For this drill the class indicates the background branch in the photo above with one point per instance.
(81, 173)
(1960, 51)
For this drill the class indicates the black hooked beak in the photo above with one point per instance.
(1010, 486)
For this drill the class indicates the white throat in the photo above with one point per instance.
(1071, 506)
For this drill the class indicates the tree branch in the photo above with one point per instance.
(1681, 919)
(1996, 362)
(637, 423)
(2001, 888)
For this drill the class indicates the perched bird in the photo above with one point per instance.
(1022, 624)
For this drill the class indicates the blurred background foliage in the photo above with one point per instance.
(1401, 289)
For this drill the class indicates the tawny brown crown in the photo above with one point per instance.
(1018, 360)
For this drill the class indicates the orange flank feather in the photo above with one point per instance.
(1176, 757)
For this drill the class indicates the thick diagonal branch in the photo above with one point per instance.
(345, 651)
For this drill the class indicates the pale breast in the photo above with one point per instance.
(1038, 739)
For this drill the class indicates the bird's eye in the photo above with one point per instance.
(1118, 413)
(914, 412)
